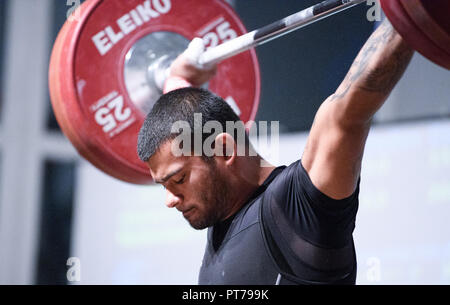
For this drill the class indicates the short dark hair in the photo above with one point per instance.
(180, 105)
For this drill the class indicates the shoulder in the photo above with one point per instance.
(295, 181)
(292, 200)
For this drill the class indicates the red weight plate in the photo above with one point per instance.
(426, 22)
(56, 63)
(412, 34)
(440, 11)
(58, 89)
(90, 76)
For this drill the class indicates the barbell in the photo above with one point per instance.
(105, 67)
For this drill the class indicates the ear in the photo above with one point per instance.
(225, 147)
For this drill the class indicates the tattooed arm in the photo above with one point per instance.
(335, 146)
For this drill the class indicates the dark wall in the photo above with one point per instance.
(301, 69)
(56, 222)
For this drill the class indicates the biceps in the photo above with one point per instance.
(334, 151)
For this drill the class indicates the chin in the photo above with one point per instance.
(199, 224)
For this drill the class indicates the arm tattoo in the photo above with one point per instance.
(380, 63)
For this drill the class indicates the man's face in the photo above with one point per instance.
(195, 187)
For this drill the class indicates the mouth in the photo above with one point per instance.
(188, 212)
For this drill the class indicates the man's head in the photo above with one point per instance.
(198, 186)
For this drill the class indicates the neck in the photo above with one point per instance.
(249, 176)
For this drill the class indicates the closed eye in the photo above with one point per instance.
(181, 180)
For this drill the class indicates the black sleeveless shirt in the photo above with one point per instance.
(288, 233)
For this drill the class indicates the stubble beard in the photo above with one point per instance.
(215, 203)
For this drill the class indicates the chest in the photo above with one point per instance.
(242, 257)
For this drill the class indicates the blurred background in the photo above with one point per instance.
(54, 205)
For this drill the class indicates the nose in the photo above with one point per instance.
(172, 200)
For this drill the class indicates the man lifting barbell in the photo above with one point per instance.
(285, 225)
(267, 225)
